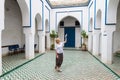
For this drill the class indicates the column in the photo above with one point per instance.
(0, 53)
(96, 41)
(90, 40)
(41, 35)
(48, 41)
(29, 43)
(77, 38)
(2, 17)
(106, 50)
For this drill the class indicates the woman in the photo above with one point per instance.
(59, 53)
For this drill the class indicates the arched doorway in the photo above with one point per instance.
(90, 35)
(38, 26)
(12, 34)
(70, 26)
(13, 31)
(98, 25)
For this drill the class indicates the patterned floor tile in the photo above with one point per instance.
(77, 65)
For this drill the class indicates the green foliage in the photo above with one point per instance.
(84, 34)
(52, 47)
(53, 34)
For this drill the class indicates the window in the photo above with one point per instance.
(77, 23)
(62, 23)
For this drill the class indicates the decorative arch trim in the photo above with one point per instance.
(98, 19)
(89, 6)
(47, 26)
(95, 28)
(30, 16)
(25, 12)
(39, 21)
(81, 18)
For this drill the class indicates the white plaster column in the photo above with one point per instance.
(48, 41)
(41, 35)
(96, 38)
(77, 37)
(90, 41)
(107, 35)
(2, 19)
(29, 43)
(0, 53)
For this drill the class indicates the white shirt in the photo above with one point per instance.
(59, 47)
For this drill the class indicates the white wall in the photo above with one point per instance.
(77, 38)
(2, 15)
(25, 10)
(112, 8)
(13, 33)
(80, 13)
(46, 15)
(61, 33)
(91, 14)
(36, 9)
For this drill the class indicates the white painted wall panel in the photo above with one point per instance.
(61, 34)
(77, 38)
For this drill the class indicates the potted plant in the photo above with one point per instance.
(53, 35)
(84, 36)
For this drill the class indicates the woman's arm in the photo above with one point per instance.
(65, 38)
(65, 41)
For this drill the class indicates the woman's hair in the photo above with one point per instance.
(57, 40)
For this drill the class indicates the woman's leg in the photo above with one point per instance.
(57, 61)
(60, 60)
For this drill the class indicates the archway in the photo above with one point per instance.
(90, 35)
(25, 12)
(38, 26)
(12, 35)
(71, 26)
(98, 25)
(13, 26)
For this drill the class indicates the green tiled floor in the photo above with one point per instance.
(77, 65)
(115, 66)
(12, 61)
